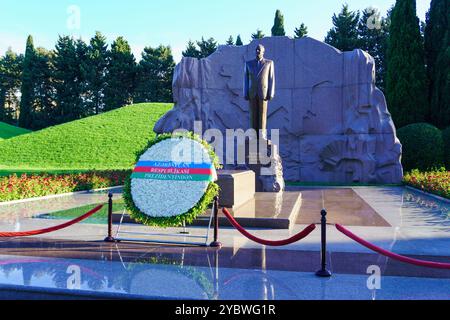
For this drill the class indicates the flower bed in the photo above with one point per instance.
(38, 185)
(436, 182)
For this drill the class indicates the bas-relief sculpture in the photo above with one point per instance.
(334, 123)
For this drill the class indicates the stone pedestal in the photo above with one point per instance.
(236, 187)
(267, 165)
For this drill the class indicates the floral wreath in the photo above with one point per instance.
(187, 217)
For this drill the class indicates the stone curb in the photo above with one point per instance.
(429, 194)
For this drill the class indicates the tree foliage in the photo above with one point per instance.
(121, 76)
(71, 76)
(10, 83)
(372, 38)
(239, 41)
(278, 25)
(406, 84)
(344, 34)
(26, 102)
(301, 31)
(155, 73)
(437, 53)
(97, 72)
(258, 34)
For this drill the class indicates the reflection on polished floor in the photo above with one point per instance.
(344, 206)
(142, 271)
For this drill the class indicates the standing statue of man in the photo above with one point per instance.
(259, 88)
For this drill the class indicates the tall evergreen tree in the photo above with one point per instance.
(191, 50)
(68, 77)
(301, 31)
(155, 73)
(4, 77)
(406, 83)
(10, 83)
(27, 88)
(373, 37)
(278, 25)
(230, 41)
(98, 58)
(207, 47)
(258, 34)
(344, 34)
(239, 41)
(44, 93)
(437, 53)
(121, 77)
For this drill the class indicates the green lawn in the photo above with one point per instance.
(8, 131)
(106, 141)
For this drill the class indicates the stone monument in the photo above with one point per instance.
(334, 123)
(259, 89)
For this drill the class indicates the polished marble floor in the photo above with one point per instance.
(77, 260)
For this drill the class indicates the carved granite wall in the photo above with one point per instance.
(333, 121)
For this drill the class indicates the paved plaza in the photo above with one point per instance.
(76, 263)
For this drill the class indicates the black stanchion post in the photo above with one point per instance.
(324, 273)
(216, 243)
(110, 238)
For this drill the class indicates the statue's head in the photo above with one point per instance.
(260, 52)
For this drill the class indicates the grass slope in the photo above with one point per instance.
(106, 141)
(8, 131)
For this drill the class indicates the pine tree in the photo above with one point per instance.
(207, 47)
(69, 79)
(344, 34)
(10, 83)
(27, 88)
(3, 87)
(437, 52)
(301, 31)
(155, 73)
(278, 25)
(191, 50)
(121, 77)
(44, 93)
(406, 84)
(230, 41)
(258, 35)
(373, 36)
(98, 54)
(239, 41)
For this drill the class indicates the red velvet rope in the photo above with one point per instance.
(52, 229)
(420, 263)
(280, 243)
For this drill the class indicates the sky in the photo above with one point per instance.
(169, 22)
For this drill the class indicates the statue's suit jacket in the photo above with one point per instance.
(259, 79)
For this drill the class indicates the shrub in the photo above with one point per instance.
(446, 137)
(423, 146)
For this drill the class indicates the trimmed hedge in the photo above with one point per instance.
(423, 146)
(446, 137)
